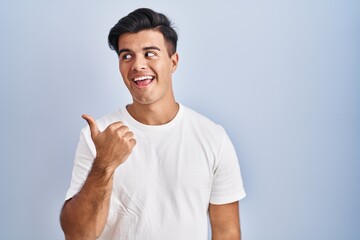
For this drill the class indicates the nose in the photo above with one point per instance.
(139, 63)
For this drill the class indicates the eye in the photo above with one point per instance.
(125, 56)
(149, 54)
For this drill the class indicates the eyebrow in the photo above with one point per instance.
(123, 50)
(144, 49)
(151, 48)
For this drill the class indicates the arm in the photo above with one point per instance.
(225, 223)
(84, 216)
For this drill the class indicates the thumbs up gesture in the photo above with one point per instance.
(113, 145)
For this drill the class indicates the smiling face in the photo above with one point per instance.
(146, 67)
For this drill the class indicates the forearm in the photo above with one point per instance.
(231, 235)
(84, 216)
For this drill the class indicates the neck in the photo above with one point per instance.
(153, 114)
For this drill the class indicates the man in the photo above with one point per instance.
(154, 169)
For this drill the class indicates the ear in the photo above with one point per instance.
(174, 61)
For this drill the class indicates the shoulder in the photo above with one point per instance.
(202, 123)
(110, 118)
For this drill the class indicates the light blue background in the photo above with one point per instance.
(282, 77)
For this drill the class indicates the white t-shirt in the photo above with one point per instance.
(164, 188)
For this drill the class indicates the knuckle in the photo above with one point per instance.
(111, 127)
(125, 128)
(115, 125)
(122, 130)
(119, 133)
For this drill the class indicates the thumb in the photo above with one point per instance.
(94, 130)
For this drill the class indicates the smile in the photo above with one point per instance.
(143, 81)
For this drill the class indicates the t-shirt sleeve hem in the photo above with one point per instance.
(70, 194)
(229, 198)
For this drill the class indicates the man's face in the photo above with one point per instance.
(146, 66)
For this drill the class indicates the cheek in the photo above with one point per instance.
(123, 70)
(163, 68)
(121, 67)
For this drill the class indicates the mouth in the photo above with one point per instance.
(143, 81)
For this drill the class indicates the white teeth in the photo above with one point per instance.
(143, 78)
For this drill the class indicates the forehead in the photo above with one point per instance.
(139, 40)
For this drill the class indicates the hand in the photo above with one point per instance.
(113, 145)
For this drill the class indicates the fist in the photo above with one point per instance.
(113, 145)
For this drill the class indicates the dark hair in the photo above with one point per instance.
(143, 19)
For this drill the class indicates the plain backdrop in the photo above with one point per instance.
(282, 77)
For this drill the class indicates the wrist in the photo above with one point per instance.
(102, 171)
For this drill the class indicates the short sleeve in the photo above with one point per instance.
(84, 157)
(227, 185)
